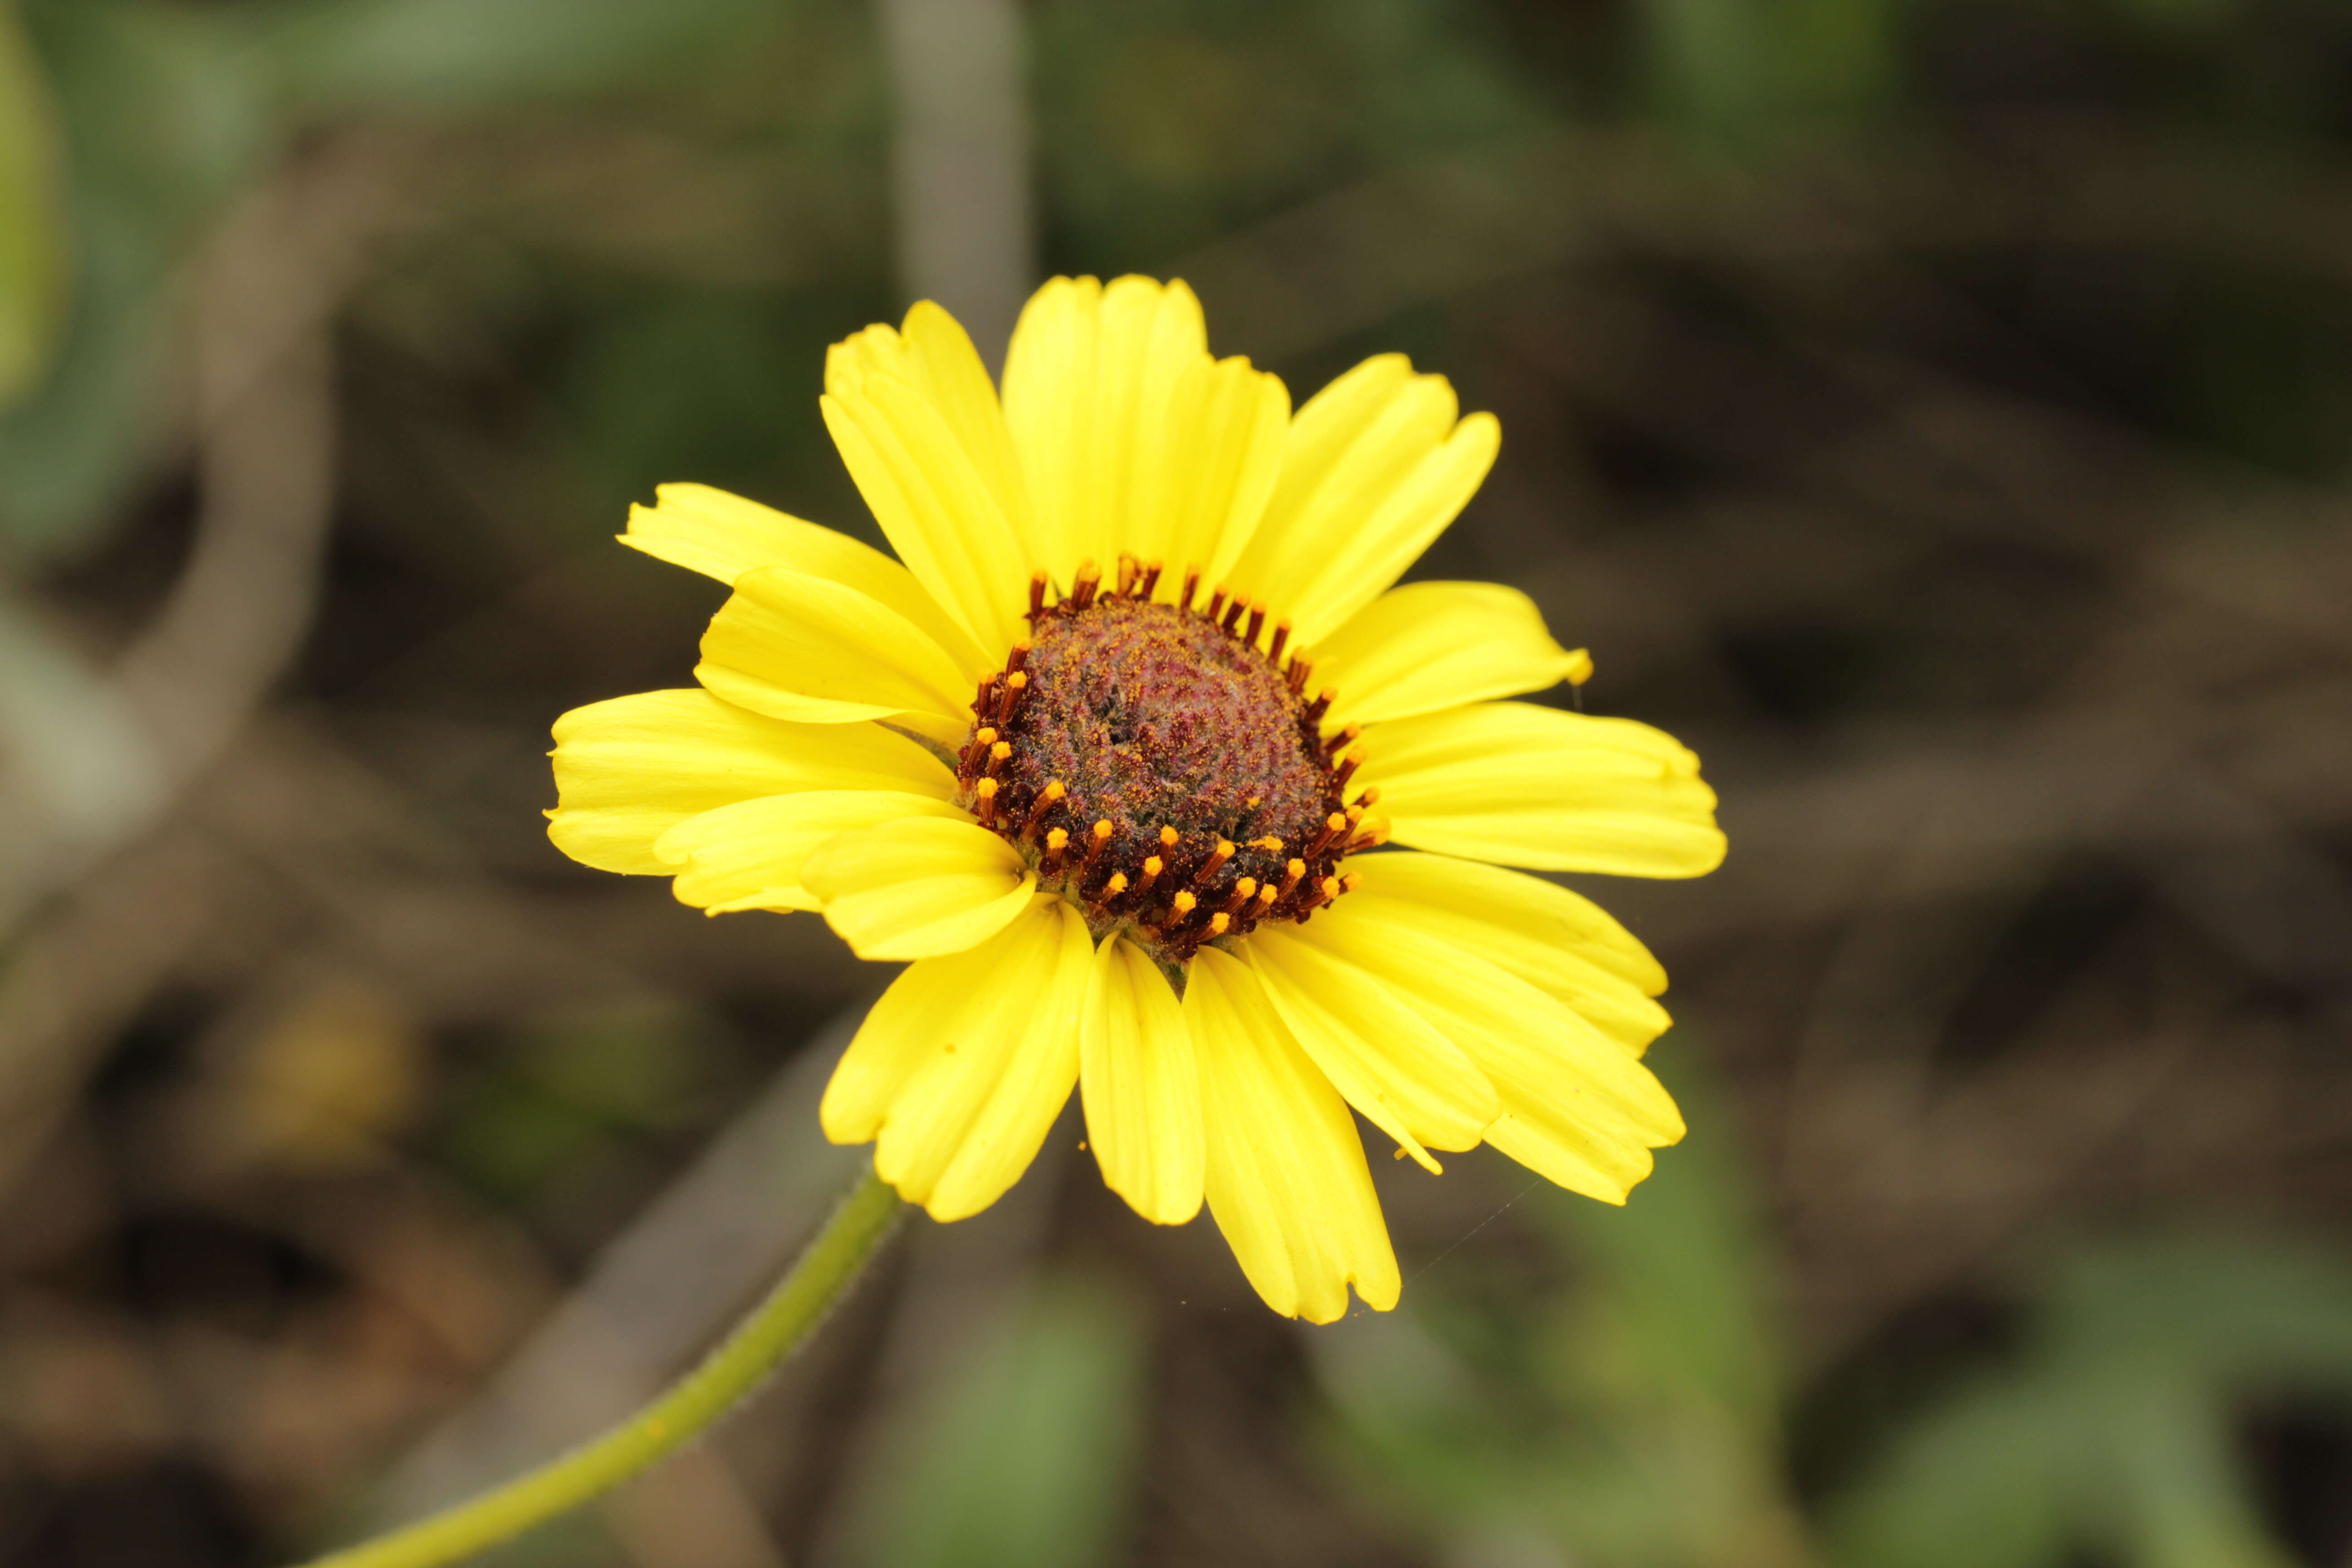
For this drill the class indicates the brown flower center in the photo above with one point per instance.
(1163, 768)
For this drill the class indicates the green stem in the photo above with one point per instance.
(759, 1344)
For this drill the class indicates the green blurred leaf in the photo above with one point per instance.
(1748, 71)
(557, 1095)
(1162, 126)
(32, 239)
(672, 382)
(166, 118)
(1984, 1483)
(2114, 1430)
(1632, 1419)
(2243, 1314)
(485, 54)
(1681, 1283)
(1027, 1458)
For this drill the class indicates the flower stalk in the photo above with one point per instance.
(773, 1329)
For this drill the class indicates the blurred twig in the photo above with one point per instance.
(657, 1291)
(264, 292)
(960, 159)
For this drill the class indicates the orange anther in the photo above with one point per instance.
(1321, 705)
(1244, 891)
(1168, 837)
(1216, 860)
(1234, 615)
(1347, 766)
(1129, 568)
(998, 754)
(1216, 601)
(1151, 868)
(1256, 622)
(1020, 655)
(1291, 872)
(1281, 637)
(1184, 904)
(1371, 796)
(1097, 836)
(1271, 841)
(1298, 673)
(1218, 922)
(1151, 580)
(1333, 825)
(1047, 798)
(1192, 589)
(1116, 886)
(1089, 578)
(1057, 842)
(1016, 686)
(986, 792)
(1347, 736)
(1036, 594)
(1267, 894)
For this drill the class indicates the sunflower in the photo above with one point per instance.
(1100, 756)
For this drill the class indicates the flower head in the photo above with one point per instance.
(1103, 752)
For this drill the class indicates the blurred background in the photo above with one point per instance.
(1936, 412)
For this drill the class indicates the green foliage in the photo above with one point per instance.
(1163, 124)
(1633, 1417)
(168, 112)
(1027, 1457)
(33, 247)
(2113, 1429)
(687, 381)
(1750, 69)
(547, 1105)
(164, 119)
(484, 54)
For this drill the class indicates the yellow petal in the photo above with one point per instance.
(1374, 468)
(1532, 787)
(1133, 438)
(1052, 371)
(920, 888)
(1428, 645)
(962, 1066)
(1141, 1087)
(1576, 1107)
(724, 536)
(1207, 472)
(1408, 1079)
(933, 355)
(797, 647)
(749, 856)
(629, 770)
(1561, 943)
(936, 504)
(1286, 1174)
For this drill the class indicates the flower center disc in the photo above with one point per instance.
(1156, 719)
(1186, 775)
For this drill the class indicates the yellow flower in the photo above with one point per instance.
(1101, 753)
